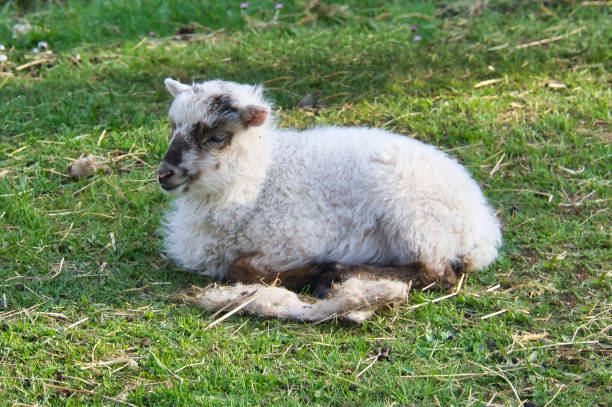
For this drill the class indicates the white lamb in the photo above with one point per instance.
(355, 213)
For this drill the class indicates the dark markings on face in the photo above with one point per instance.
(202, 137)
(199, 133)
(207, 138)
(217, 135)
(177, 146)
(221, 105)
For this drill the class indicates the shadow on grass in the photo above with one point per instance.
(129, 93)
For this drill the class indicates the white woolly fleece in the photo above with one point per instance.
(346, 195)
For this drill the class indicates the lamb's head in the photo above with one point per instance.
(212, 124)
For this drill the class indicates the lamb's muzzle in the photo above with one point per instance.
(260, 204)
(167, 175)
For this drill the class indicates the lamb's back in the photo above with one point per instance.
(351, 164)
(329, 189)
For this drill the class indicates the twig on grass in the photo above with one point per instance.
(20, 149)
(173, 39)
(66, 234)
(473, 145)
(493, 288)
(11, 314)
(89, 393)
(596, 3)
(52, 315)
(279, 79)
(554, 345)
(549, 40)
(487, 82)
(427, 287)
(455, 292)
(494, 314)
(498, 47)
(52, 171)
(33, 63)
(331, 75)
(128, 361)
(5, 81)
(93, 353)
(58, 272)
(103, 215)
(128, 290)
(375, 359)
(238, 329)
(75, 193)
(497, 165)
(555, 396)
(17, 193)
(77, 323)
(499, 373)
(593, 215)
(161, 364)
(41, 296)
(444, 297)
(203, 362)
(101, 137)
(454, 375)
(414, 15)
(416, 306)
(544, 194)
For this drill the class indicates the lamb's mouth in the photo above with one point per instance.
(167, 187)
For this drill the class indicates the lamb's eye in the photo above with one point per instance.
(216, 139)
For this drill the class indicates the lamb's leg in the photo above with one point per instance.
(354, 299)
(418, 274)
(351, 292)
(243, 271)
(321, 277)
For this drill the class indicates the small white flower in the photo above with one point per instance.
(35, 50)
(3, 58)
(43, 45)
(20, 29)
(1, 47)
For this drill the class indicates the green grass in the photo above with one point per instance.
(542, 154)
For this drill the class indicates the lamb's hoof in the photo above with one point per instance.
(332, 273)
(321, 291)
(453, 274)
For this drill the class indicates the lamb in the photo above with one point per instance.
(357, 214)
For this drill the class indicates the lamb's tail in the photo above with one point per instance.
(354, 300)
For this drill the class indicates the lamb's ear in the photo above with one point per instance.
(253, 115)
(175, 87)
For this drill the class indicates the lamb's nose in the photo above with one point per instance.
(164, 173)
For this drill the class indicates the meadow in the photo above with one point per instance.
(90, 308)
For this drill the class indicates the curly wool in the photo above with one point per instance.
(344, 195)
